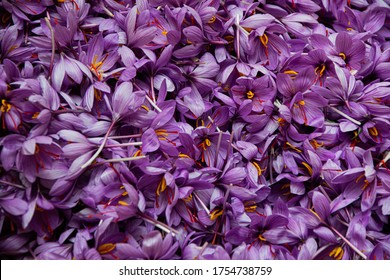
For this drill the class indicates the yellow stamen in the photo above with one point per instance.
(259, 170)
(250, 94)
(161, 186)
(261, 237)
(212, 19)
(183, 156)
(138, 153)
(145, 108)
(162, 132)
(315, 144)
(207, 142)
(264, 39)
(308, 167)
(302, 103)
(292, 147)
(35, 115)
(250, 206)
(343, 56)
(125, 193)
(123, 203)
(215, 213)
(358, 178)
(5, 106)
(337, 253)
(188, 198)
(106, 248)
(248, 29)
(320, 70)
(290, 72)
(349, 29)
(366, 183)
(319, 218)
(164, 32)
(373, 131)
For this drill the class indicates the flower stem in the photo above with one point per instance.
(158, 224)
(153, 104)
(125, 136)
(152, 89)
(124, 145)
(348, 243)
(12, 184)
(217, 149)
(346, 116)
(238, 37)
(100, 147)
(122, 159)
(201, 203)
(53, 47)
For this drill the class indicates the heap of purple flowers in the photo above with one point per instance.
(185, 129)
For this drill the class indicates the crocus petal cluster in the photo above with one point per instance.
(189, 129)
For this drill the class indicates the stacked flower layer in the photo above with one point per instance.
(194, 129)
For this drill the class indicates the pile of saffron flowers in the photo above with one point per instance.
(194, 129)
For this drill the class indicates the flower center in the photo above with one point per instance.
(212, 19)
(373, 131)
(343, 56)
(337, 253)
(320, 70)
(264, 40)
(216, 213)
(261, 237)
(106, 248)
(162, 186)
(5, 106)
(250, 94)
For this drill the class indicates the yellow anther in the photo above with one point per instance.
(106, 248)
(183, 156)
(366, 183)
(164, 32)
(343, 56)
(120, 202)
(292, 147)
(188, 198)
(337, 253)
(320, 70)
(349, 29)
(264, 39)
(302, 103)
(261, 237)
(319, 218)
(207, 142)
(373, 131)
(216, 213)
(250, 206)
(308, 167)
(35, 115)
(5, 106)
(125, 193)
(138, 153)
(212, 19)
(161, 186)
(248, 29)
(290, 72)
(145, 108)
(315, 144)
(358, 178)
(250, 94)
(259, 170)
(161, 132)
